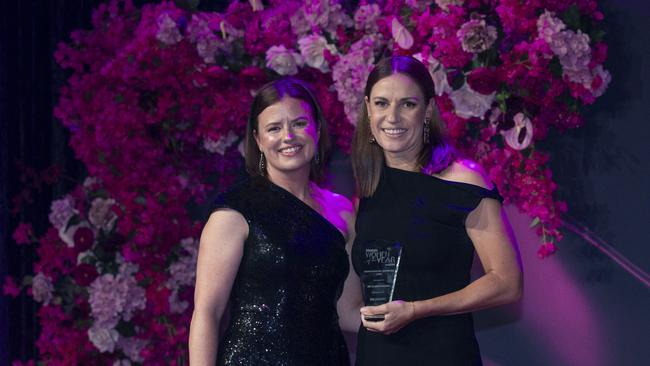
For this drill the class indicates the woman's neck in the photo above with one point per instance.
(401, 161)
(295, 182)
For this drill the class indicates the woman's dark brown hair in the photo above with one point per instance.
(270, 94)
(368, 157)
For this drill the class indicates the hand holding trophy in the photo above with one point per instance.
(379, 273)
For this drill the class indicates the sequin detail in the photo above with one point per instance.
(283, 301)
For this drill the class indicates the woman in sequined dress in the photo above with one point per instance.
(416, 191)
(274, 249)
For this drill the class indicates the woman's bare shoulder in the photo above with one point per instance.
(467, 171)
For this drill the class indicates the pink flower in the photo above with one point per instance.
(546, 249)
(24, 234)
(483, 80)
(10, 288)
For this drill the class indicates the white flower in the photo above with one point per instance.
(282, 60)
(122, 363)
(220, 146)
(104, 338)
(312, 49)
(101, 215)
(401, 35)
(42, 288)
(469, 103)
(167, 30)
(438, 73)
(521, 135)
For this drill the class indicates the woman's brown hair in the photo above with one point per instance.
(368, 157)
(270, 94)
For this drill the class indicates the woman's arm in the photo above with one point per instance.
(350, 301)
(220, 252)
(502, 282)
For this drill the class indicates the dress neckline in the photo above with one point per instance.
(304, 205)
(444, 181)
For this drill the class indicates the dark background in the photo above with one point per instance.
(601, 168)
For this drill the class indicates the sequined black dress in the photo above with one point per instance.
(283, 300)
(427, 216)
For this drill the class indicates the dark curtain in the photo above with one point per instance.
(29, 133)
(30, 31)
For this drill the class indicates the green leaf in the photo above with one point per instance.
(458, 81)
(535, 222)
(141, 200)
(571, 17)
(597, 35)
(125, 328)
(555, 67)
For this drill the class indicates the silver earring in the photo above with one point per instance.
(427, 130)
(262, 164)
(317, 158)
(372, 139)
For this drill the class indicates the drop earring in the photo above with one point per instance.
(262, 164)
(427, 130)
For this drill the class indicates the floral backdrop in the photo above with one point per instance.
(157, 100)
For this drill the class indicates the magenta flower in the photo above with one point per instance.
(24, 234)
(10, 288)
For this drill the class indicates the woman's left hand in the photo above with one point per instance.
(397, 314)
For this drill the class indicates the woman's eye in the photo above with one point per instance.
(410, 105)
(300, 123)
(273, 129)
(380, 103)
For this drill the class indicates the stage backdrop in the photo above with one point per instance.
(156, 101)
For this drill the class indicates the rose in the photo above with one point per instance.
(468, 103)
(312, 50)
(483, 80)
(283, 61)
(84, 274)
(83, 239)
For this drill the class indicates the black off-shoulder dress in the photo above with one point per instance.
(283, 300)
(427, 216)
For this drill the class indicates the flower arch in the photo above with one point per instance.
(157, 100)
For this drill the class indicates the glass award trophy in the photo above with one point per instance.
(379, 272)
